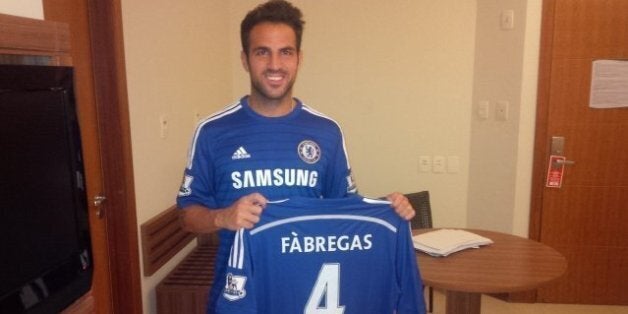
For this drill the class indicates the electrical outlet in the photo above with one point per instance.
(507, 20)
(453, 164)
(501, 110)
(425, 163)
(483, 109)
(438, 164)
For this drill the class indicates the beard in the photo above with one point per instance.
(270, 94)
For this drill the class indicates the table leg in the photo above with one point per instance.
(463, 302)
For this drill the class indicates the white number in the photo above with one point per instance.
(326, 286)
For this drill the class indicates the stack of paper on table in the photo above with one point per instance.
(443, 242)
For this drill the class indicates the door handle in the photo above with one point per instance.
(565, 162)
(558, 149)
(557, 163)
(98, 200)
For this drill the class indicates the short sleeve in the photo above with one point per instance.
(339, 179)
(197, 184)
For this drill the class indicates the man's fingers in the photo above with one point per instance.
(246, 211)
(250, 219)
(402, 205)
(257, 199)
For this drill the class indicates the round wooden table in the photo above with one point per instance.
(510, 264)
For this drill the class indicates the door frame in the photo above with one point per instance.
(122, 292)
(541, 144)
(107, 47)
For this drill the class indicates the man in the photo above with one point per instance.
(268, 145)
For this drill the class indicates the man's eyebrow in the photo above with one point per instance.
(260, 48)
(268, 48)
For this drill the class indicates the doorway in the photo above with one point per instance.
(586, 218)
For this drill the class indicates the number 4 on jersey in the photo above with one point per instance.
(327, 287)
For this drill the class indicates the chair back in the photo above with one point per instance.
(421, 203)
(423, 219)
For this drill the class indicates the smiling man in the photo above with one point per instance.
(272, 60)
(266, 146)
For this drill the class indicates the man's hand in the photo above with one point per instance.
(401, 205)
(243, 213)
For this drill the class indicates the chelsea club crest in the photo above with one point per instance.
(309, 151)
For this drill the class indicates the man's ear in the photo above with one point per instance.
(245, 61)
(300, 58)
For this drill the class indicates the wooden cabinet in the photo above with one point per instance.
(88, 36)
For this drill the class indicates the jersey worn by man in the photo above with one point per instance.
(236, 152)
(349, 255)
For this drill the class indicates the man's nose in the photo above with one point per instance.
(274, 61)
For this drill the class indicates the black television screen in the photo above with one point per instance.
(45, 262)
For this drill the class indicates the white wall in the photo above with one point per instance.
(506, 63)
(494, 145)
(26, 8)
(527, 118)
(177, 56)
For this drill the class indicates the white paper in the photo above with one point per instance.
(443, 242)
(609, 84)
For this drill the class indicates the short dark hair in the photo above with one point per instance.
(274, 11)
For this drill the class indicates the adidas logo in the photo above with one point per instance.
(240, 153)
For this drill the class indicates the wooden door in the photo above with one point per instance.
(98, 58)
(587, 218)
(91, 152)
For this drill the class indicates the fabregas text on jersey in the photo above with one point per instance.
(308, 244)
(274, 177)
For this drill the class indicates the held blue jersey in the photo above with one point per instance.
(349, 255)
(236, 152)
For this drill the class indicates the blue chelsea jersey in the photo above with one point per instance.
(236, 152)
(349, 255)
